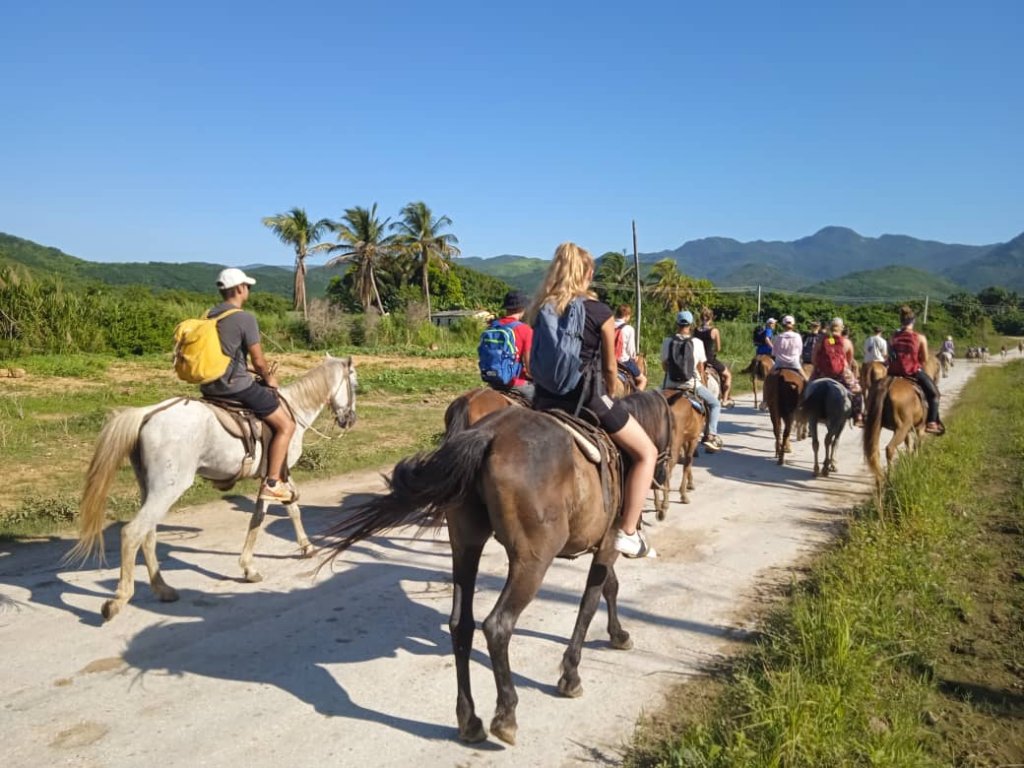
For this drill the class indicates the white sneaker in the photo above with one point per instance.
(631, 544)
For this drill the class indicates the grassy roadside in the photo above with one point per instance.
(905, 646)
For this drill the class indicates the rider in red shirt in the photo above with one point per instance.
(908, 352)
(514, 305)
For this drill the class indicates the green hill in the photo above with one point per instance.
(1002, 266)
(885, 283)
(41, 260)
(522, 272)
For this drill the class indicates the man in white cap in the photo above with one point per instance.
(240, 340)
(789, 347)
(683, 358)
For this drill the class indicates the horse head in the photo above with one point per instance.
(343, 394)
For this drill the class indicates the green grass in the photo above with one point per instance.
(844, 672)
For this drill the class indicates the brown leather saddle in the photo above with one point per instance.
(239, 422)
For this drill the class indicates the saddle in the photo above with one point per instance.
(696, 402)
(626, 375)
(238, 421)
(917, 388)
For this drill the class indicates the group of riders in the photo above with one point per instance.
(828, 353)
(566, 314)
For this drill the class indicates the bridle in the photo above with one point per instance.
(344, 420)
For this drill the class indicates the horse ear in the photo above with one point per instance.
(327, 355)
(348, 361)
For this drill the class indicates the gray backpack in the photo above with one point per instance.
(555, 356)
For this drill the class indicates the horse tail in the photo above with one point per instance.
(116, 440)
(873, 426)
(420, 491)
(750, 366)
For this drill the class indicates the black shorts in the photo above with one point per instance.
(611, 414)
(718, 365)
(261, 400)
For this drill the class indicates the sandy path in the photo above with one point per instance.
(355, 668)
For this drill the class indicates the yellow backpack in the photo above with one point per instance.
(198, 358)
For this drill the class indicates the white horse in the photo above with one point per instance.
(173, 441)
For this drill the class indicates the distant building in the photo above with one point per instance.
(446, 318)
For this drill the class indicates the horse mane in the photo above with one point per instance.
(315, 386)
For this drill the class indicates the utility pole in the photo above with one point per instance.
(924, 320)
(636, 277)
(758, 318)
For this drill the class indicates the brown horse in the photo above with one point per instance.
(895, 403)
(688, 429)
(782, 390)
(625, 384)
(759, 369)
(468, 408)
(870, 373)
(517, 475)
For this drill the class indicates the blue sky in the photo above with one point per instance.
(164, 132)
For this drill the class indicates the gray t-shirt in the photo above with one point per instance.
(238, 333)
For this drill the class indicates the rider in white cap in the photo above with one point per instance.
(788, 347)
(240, 340)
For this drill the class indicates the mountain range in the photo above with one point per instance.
(811, 263)
(834, 261)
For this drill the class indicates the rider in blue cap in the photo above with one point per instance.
(684, 359)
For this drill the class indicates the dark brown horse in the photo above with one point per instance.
(782, 390)
(897, 404)
(759, 369)
(826, 401)
(518, 475)
(688, 429)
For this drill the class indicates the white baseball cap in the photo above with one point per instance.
(788, 320)
(232, 276)
(770, 320)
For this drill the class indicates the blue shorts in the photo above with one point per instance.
(631, 366)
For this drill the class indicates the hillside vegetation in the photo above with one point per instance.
(886, 283)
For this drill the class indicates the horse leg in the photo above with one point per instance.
(686, 479)
(165, 593)
(569, 682)
(252, 575)
(134, 533)
(753, 386)
(814, 446)
(306, 549)
(831, 442)
(524, 580)
(467, 536)
(620, 639)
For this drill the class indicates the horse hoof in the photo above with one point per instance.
(110, 609)
(660, 515)
(787, 448)
(691, 487)
(474, 732)
(168, 595)
(623, 642)
(816, 472)
(504, 732)
(569, 690)
(253, 577)
(684, 499)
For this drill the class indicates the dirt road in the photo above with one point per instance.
(355, 667)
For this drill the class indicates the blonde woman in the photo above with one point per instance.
(568, 279)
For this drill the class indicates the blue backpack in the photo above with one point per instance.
(499, 362)
(555, 357)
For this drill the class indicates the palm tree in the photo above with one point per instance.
(419, 234)
(295, 229)
(362, 243)
(616, 276)
(670, 286)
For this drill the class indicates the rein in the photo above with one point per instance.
(308, 426)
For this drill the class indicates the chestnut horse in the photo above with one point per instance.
(895, 403)
(870, 373)
(625, 384)
(782, 390)
(759, 369)
(520, 477)
(688, 429)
